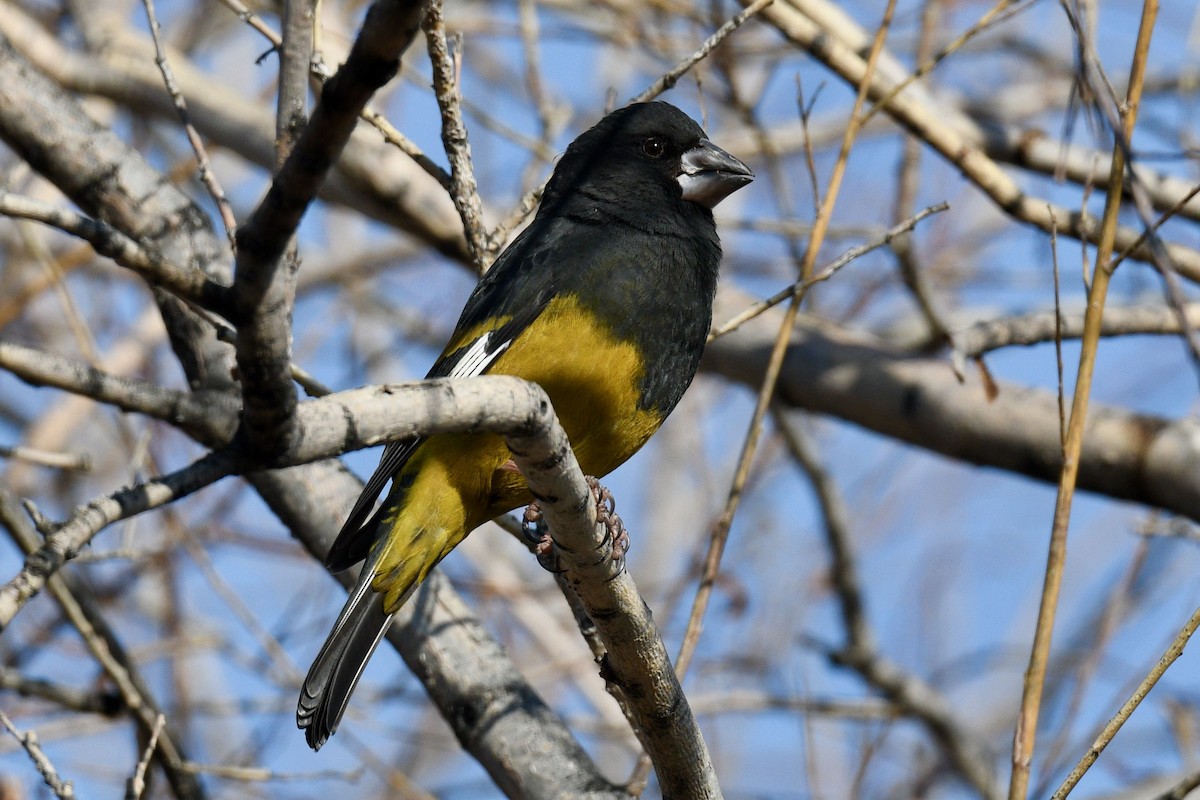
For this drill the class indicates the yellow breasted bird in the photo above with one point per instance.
(605, 301)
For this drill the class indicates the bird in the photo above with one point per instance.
(605, 301)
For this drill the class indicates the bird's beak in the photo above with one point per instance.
(709, 174)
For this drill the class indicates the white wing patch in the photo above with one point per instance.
(478, 357)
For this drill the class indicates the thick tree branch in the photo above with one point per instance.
(1040, 328)
(295, 61)
(111, 182)
(1128, 456)
(208, 417)
(188, 284)
(493, 711)
(264, 287)
(522, 412)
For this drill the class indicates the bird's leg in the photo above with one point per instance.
(606, 515)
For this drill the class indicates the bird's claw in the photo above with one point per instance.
(606, 515)
(616, 537)
(538, 537)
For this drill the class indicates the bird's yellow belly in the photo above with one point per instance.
(593, 379)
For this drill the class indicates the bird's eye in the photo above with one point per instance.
(654, 146)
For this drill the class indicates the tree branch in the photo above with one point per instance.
(81, 609)
(264, 288)
(499, 404)
(1129, 456)
(831, 48)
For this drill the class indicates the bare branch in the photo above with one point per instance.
(137, 781)
(463, 189)
(207, 176)
(295, 62)
(264, 286)
(1040, 328)
(62, 545)
(930, 125)
(29, 741)
(188, 284)
(672, 76)
(826, 272)
(860, 652)
(69, 461)
(768, 384)
(920, 401)
(208, 418)
(1173, 652)
(80, 608)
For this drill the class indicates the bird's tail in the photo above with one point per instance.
(421, 529)
(335, 672)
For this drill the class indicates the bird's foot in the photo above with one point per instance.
(534, 530)
(606, 515)
(535, 533)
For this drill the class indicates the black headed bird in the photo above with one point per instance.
(605, 301)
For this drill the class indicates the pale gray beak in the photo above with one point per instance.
(709, 174)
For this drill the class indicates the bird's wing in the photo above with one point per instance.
(513, 293)
(506, 301)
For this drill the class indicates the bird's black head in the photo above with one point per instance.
(650, 151)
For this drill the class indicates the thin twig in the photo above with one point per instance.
(672, 76)
(994, 15)
(207, 176)
(1058, 338)
(1109, 112)
(102, 701)
(860, 652)
(1110, 730)
(232, 772)
(828, 272)
(322, 73)
(720, 532)
(957, 146)
(29, 741)
(82, 611)
(137, 781)
(529, 201)
(1182, 789)
(1102, 627)
(1025, 735)
(908, 179)
(464, 190)
(530, 36)
(80, 462)
(1158, 223)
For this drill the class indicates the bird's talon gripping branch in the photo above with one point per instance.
(531, 524)
(606, 514)
(539, 539)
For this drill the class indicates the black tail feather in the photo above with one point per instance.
(335, 672)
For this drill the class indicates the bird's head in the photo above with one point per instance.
(647, 148)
